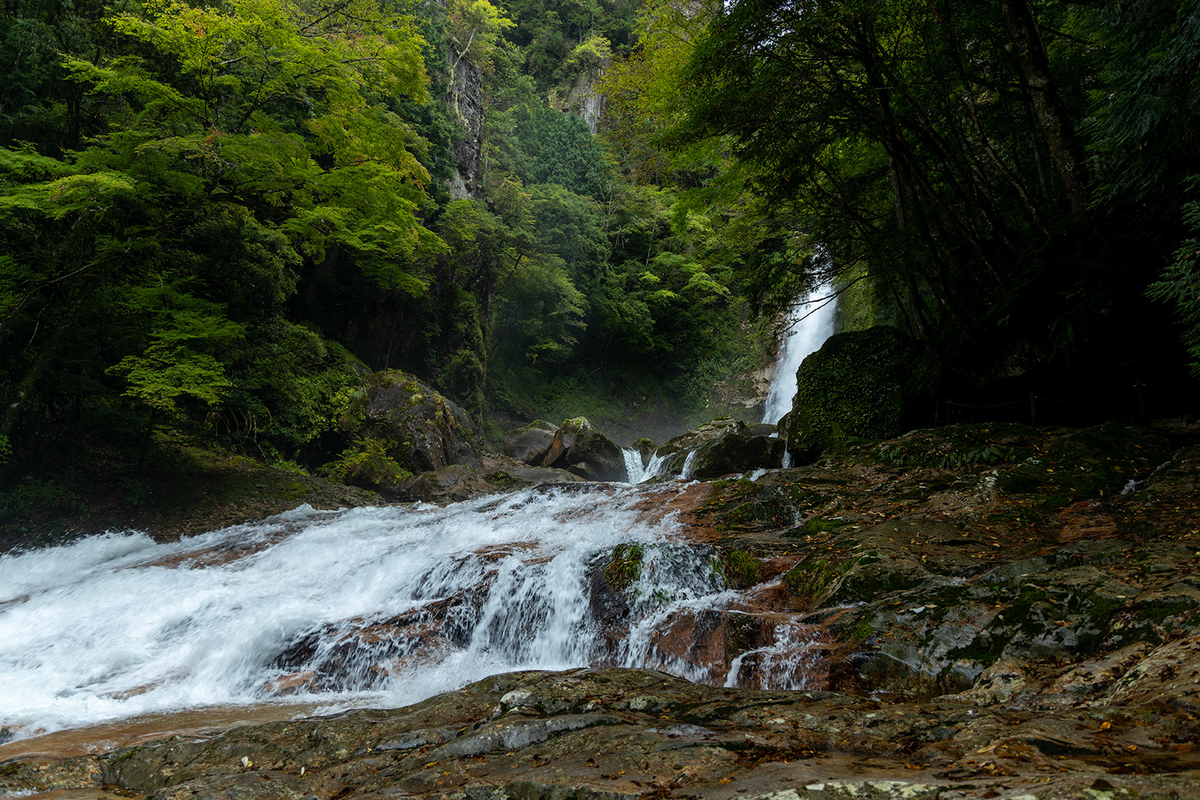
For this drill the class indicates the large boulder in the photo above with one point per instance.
(425, 429)
(737, 452)
(703, 434)
(857, 386)
(584, 451)
(400, 426)
(531, 443)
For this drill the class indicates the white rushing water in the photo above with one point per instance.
(371, 606)
(639, 472)
(809, 324)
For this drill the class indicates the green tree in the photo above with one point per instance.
(243, 145)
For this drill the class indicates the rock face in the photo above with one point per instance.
(581, 98)
(858, 385)
(466, 95)
(626, 734)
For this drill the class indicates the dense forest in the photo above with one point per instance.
(218, 216)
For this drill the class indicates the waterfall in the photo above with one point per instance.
(809, 324)
(639, 472)
(689, 464)
(361, 607)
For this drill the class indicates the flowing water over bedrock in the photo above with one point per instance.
(370, 606)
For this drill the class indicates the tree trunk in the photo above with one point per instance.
(1051, 113)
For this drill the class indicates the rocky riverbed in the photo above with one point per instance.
(973, 611)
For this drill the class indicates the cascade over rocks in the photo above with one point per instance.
(722, 447)
(974, 611)
(860, 384)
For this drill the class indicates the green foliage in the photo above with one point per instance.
(367, 463)
(1180, 284)
(175, 365)
(906, 138)
(538, 311)
(625, 566)
(556, 148)
(589, 56)
(240, 146)
(1146, 105)
(476, 28)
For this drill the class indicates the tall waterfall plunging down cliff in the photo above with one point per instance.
(370, 606)
(809, 324)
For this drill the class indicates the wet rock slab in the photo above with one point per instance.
(618, 733)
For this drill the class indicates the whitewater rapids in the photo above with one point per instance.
(362, 607)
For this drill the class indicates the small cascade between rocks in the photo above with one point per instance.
(793, 660)
(809, 324)
(641, 471)
(363, 607)
(689, 464)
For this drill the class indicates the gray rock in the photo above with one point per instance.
(584, 451)
(459, 482)
(531, 443)
(735, 452)
(422, 429)
(703, 434)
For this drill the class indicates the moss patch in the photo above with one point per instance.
(625, 566)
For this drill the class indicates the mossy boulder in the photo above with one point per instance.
(403, 426)
(531, 443)
(858, 385)
(737, 453)
(646, 448)
(703, 434)
(722, 447)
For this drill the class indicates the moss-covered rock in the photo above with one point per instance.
(858, 385)
(703, 434)
(413, 425)
(721, 447)
(531, 443)
(645, 447)
(737, 453)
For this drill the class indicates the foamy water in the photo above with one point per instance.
(371, 606)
